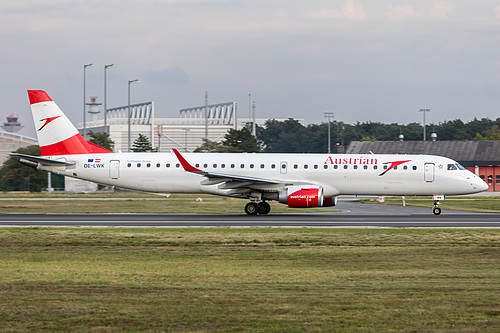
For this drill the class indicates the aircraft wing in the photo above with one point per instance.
(232, 181)
(41, 160)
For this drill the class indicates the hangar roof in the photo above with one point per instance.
(465, 152)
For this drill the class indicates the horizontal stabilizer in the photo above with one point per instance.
(42, 160)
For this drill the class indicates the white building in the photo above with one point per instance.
(184, 133)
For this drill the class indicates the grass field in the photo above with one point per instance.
(249, 280)
(471, 204)
(133, 203)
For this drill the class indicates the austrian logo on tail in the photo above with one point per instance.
(392, 165)
(47, 120)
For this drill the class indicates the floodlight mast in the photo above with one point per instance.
(424, 111)
(84, 98)
(130, 81)
(329, 115)
(106, 66)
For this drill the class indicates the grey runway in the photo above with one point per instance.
(464, 220)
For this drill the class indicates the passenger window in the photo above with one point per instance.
(355, 167)
(335, 166)
(148, 165)
(325, 166)
(345, 166)
(232, 166)
(385, 167)
(129, 165)
(242, 166)
(375, 167)
(215, 166)
(306, 166)
(158, 165)
(177, 165)
(222, 166)
(205, 165)
(251, 166)
(395, 167)
(197, 165)
(405, 167)
(365, 167)
(262, 166)
(315, 166)
(138, 165)
(168, 165)
(295, 166)
(414, 167)
(273, 166)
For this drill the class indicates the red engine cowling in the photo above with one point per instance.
(302, 197)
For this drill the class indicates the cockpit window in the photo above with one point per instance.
(455, 166)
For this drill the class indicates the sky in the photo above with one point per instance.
(363, 60)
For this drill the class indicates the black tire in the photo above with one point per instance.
(251, 208)
(436, 210)
(264, 208)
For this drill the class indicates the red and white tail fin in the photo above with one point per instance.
(56, 134)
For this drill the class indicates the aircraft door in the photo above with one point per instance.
(114, 169)
(429, 172)
(283, 167)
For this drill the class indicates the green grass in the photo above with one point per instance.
(475, 204)
(249, 280)
(134, 203)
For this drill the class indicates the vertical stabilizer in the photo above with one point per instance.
(56, 134)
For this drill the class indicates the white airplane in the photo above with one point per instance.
(298, 180)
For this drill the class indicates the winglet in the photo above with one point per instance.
(185, 164)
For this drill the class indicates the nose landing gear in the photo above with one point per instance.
(436, 210)
(253, 208)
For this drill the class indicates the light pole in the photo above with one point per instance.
(106, 66)
(329, 115)
(84, 98)
(186, 130)
(424, 111)
(206, 115)
(130, 81)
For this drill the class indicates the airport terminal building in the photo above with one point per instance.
(480, 157)
(184, 133)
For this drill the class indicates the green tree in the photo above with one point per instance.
(235, 141)
(15, 176)
(142, 144)
(240, 141)
(102, 139)
(209, 146)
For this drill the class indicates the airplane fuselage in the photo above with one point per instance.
(337, 174)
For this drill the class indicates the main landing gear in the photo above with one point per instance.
(436, 210)
(253, 208)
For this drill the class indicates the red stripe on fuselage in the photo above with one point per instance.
(74, 145)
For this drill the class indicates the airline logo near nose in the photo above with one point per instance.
(392, 165)
(47, 120)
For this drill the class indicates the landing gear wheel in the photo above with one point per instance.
(264, 208)
(436, 210)
(251, 208)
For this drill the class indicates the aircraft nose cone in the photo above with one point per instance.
(480, 184)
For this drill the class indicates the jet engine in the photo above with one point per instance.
(303, 197)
